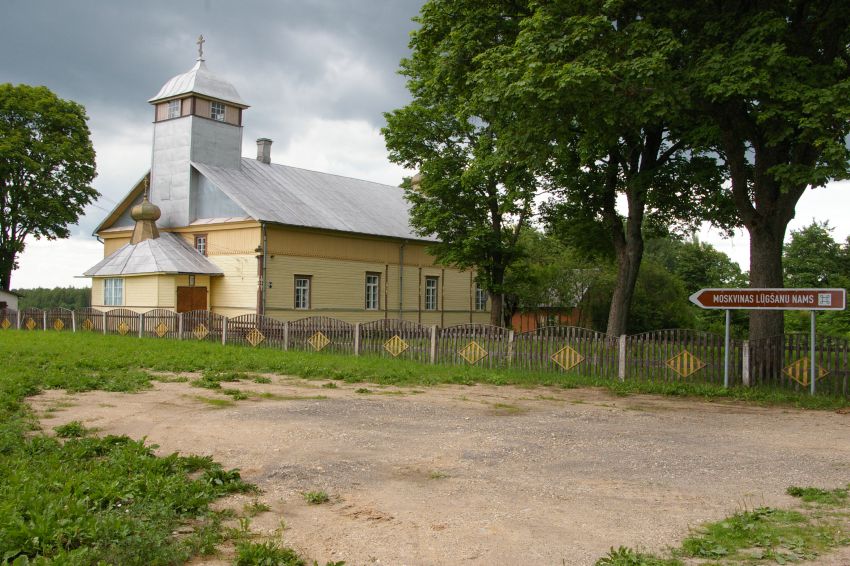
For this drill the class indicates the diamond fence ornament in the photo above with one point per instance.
(161, 329)
(58, 324)
(685, 363)
(123, 328)
(799, 371)
(200, 332)
(254, 337)
(87, 324)
(473, 352)
(30, 324)
(5, 324)
(395, 345)
(318, 341)
(567, 358)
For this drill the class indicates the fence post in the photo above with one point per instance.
(179, 325)
(224, 331)
(286, 337)
(141, 324)
(622, 359)
(745, 363)
(44, 320)
(104, 322)
(510, 347)
(18, 319)
(357, 339)
(434, 344)
(73, 321)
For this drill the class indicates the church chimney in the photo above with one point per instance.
(264, 150)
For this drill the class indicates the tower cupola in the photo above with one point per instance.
(197, 119)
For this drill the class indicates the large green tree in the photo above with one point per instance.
(469, 194)
(578, 96)
(47, 164)
(768, 86)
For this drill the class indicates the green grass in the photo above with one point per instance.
(73, 429)
(90, 500)
(624, 556)
(764, 535)
(316, 497)
(117, 363)
(830, 497)
(265, 554)
(87, 500)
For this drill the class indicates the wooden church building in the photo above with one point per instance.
(206, 228)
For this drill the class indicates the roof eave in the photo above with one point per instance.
(418, 239)
(178, 96)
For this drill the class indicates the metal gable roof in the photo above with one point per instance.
(299, 197)
(167, 254)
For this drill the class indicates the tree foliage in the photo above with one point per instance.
(579, 95)
(58, 297)
(47, 164)
(768, 87)
(468, 194)
(813, 258)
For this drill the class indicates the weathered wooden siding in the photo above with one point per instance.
(166, 292)
(236, 292)
(304, 243)
(338, 284)
(111, 244)
(225, 239)
(97, 291)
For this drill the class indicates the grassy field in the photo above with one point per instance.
(77, 499)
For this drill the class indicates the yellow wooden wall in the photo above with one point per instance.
(141, 293)
(338, 265)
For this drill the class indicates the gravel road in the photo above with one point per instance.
(480, 474)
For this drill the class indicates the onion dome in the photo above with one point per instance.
(145, 214)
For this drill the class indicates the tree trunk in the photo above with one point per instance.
(629, 257)
(7, 264)
(497, 297)
(497, 309)
(766, 272)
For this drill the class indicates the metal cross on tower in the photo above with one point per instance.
(200, 43)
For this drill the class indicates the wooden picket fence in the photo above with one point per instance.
(668, 356)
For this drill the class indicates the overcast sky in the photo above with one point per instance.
(318, 75)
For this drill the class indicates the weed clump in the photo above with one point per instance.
(266, 554)
(831, 497)
(73, 429)
(316, 497)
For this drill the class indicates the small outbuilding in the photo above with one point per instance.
(8, 300)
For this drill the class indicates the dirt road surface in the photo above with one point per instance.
(478, 474)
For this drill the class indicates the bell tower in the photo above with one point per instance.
(197, 118)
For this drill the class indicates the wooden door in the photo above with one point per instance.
(191, 299)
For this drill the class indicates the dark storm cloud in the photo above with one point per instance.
(292, 61)
(117, 54)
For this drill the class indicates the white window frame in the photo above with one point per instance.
(174, 109)
(432, 285)
(218, 111)
(373, 291)
(201, 244)
(302, 287)
(480, 298)
(113, 292)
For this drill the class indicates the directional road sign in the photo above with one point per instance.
(771, 299)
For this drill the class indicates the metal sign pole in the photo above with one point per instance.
(726, 352)
(812, 365)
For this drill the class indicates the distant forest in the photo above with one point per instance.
(65, 297)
